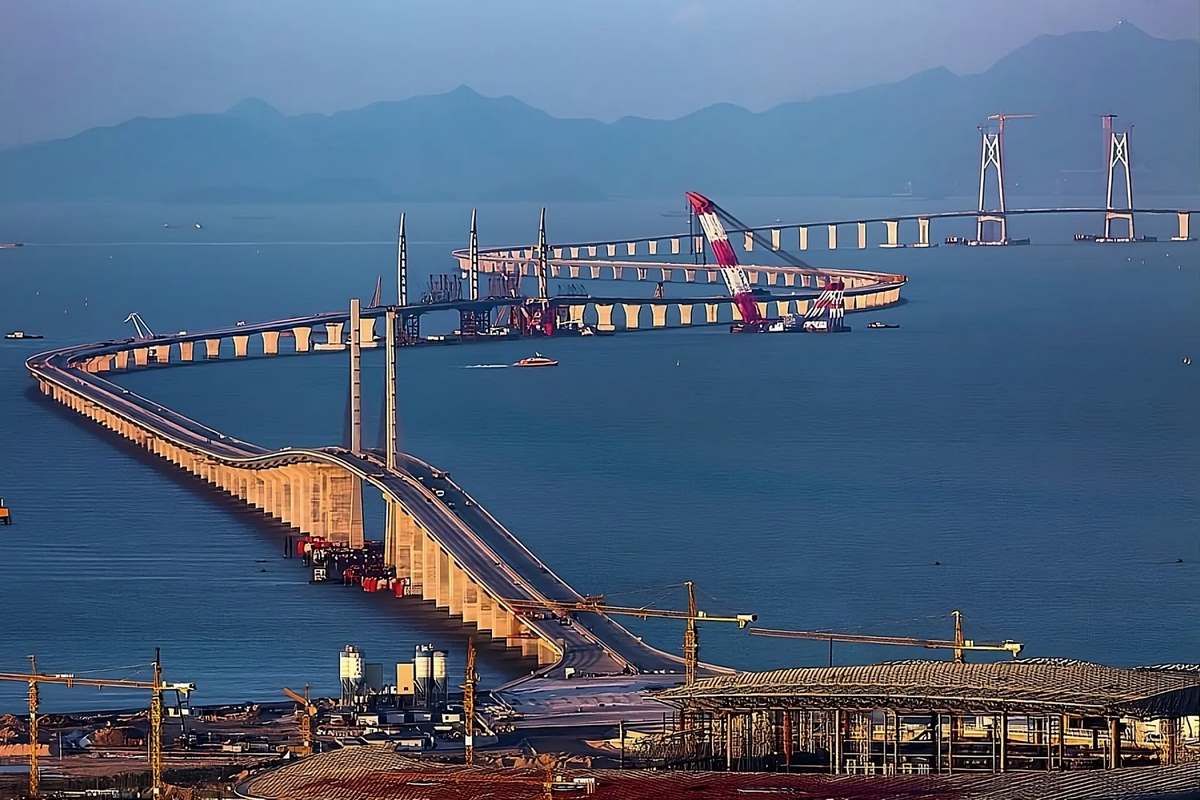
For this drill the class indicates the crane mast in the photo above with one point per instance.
(156, 687)
(693, 615)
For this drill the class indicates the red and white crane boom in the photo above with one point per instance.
(735, 277)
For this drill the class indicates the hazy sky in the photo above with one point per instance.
(66, 65)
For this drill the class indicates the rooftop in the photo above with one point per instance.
(1034, 686)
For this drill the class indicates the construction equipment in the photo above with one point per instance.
(734, 276)
(307, 712)
(745, 297)
(958, 644)
(469, 684)
(156, 686)
(693, 615)
(140, 328)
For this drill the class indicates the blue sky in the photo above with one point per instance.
(66, 65)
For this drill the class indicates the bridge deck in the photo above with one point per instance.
(478, 542)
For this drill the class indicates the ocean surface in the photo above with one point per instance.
(1025, 448)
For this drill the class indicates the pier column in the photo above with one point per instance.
(366, 332)
(595, 270)
(141, 356)
(685, 313)
(241, 342)
(862, 235)
(416, 560)
(333, 335)
(775, 236)
(1114, 743)
(675, 246)
(658, 315)
(632, 311)
(833, 237)
(300, 337)
(1184, 234)
(270, 340)
(892, 228)
(689, 275)
(604, 316)
(122, 359)
(782, 306)
(923, 232)
(803, 231)
(762, 310)
(710, 313)
(212, 348)
(186, 350)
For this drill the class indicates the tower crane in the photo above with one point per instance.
(307, 711)
(692, 616)
(958, 644)
(156, 686)
(471, 679)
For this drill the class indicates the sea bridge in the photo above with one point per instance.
(459, 557)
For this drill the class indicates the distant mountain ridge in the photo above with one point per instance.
(917, 133)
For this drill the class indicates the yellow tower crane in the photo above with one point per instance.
(306, 712)
(958, 644)
(156, 686)
(692, 616)
(469, 683)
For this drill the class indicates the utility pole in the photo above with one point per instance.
(958, 636)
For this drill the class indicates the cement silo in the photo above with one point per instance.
(423, 675)
(439, 678)
(350, 670)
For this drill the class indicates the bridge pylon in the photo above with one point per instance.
(401, 264)
(991, 157)
(473, 321)
(1118, 159)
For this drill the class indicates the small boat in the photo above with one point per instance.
(10, 245)
(22, 335)
(877, 324)
(536, 360)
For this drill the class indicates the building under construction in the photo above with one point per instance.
(935, 717)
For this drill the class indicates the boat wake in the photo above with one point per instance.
(487, 366)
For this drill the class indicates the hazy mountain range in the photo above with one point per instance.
(917, 134)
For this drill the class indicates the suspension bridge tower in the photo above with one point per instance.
(991, 223)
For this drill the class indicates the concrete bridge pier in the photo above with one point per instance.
(1184, 233)
(186, 350)
(212, 348)
(832, 237)
(301, 336)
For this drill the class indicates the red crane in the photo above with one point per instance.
(735, 277)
